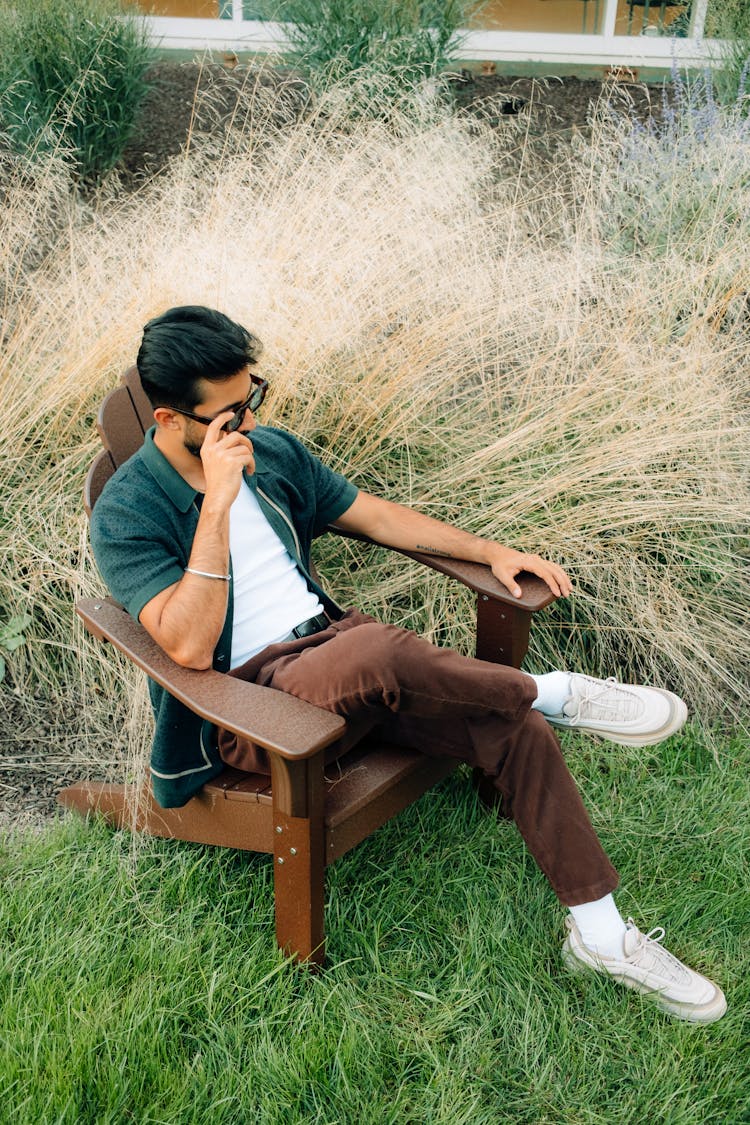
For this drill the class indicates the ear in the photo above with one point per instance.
(167, 419)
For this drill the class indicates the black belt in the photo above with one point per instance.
(308, 628)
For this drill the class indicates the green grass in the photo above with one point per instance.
(144, 984)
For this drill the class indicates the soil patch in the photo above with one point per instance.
(36, 755)
(188, 100)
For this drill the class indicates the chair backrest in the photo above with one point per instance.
(123, 419)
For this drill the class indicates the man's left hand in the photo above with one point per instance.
(507, 563)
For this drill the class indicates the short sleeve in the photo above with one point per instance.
(137, 555)
(334, 495)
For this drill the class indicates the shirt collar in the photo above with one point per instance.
(166, 476)
(176, 487)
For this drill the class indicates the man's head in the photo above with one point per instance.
(187, 347)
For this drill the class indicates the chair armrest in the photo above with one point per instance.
(276, 721)
(536, 593)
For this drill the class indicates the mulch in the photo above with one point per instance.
(191, 99)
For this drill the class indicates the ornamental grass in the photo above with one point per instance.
(499, 356)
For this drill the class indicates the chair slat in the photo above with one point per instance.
(143, 407)
(206, 819)
(101, 470)
(119, 425)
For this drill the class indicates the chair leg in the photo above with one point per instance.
(502, 637)
(116, 803)
(502, 631)
(299, 856)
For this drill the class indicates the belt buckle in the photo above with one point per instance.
(310, 627)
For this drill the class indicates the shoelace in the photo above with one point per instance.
(592, 696)
(656, 935)
(665, 958)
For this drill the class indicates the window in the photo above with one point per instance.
(576, 17)
(652, 17)
(585, 17)
(190, 9)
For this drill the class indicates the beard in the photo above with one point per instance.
(190, 440)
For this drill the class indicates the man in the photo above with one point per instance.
(204, 535)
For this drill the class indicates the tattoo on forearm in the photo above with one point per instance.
(434, 551)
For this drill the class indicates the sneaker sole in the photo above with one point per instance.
(709, 1012)
(676, 721)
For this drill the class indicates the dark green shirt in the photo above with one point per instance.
(142, 530)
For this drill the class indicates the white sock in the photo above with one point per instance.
(601, 926)
(553, 688)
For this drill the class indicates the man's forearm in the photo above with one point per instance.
(210, 549)
(435, 538)
(403, 528)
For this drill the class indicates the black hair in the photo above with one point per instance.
(187, 344)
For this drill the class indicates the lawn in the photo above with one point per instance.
(142, 983)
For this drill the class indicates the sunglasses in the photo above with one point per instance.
(251, 403)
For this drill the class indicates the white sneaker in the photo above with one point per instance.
(635, 716)
(648, 967)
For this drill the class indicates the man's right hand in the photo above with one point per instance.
(224, 456)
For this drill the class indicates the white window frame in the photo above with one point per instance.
(601, 49)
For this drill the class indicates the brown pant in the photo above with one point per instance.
(441, 703)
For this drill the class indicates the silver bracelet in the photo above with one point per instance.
(207, 574)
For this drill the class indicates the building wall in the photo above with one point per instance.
(549, 33)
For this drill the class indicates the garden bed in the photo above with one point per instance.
(191, 98)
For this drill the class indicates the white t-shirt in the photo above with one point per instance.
(270, 595)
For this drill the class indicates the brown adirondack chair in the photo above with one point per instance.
(299, 816)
